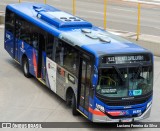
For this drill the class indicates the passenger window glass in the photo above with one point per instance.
(30, 33)
(89, 71)
(24, 31)
(34, 40)
(67, 57)
(59, 53)
(49, 47)
(83, 72)
(10, 21)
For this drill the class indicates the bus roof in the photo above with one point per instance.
(74, 30)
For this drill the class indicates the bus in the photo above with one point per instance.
(99, 75)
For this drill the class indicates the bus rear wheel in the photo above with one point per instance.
(25, 67)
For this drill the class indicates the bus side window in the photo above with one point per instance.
(67, 56)
(34, 39)
(71, 59)
(25, 30)
(10, 16)
(49, 47)
(59, 53)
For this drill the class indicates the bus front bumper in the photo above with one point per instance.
(105, 119)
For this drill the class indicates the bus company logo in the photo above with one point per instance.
(8, 36)
(12, 50)
(49, 65)
(6, 125)
(21, 125)
(22, 45)
(101, 108)
(22, 48)
(137, 111)
(39, 15)
(127, 107)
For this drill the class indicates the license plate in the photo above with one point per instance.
(127, 120)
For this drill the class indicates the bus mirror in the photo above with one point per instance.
(95, 77)
(94, 80)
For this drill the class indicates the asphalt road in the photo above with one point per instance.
(120, 15)
(27, 100)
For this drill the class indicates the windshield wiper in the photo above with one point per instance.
(139, 70)
(123, 79)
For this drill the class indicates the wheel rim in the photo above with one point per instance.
(25, 68)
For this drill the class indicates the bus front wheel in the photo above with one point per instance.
(26, 68)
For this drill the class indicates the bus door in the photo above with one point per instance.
(84, 85)
(41, 57)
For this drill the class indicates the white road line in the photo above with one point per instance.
(144, 2)
(1, 26)
(115, 33)
(3, 4)
(96, 12)
(156, 0)
(117, 21)
(124, 9)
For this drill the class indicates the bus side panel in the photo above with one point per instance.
(9, 43)
(31, 53)
(18, 52)
(44, 65)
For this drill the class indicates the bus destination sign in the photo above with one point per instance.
(124, 59)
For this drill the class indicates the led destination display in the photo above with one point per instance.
(124, 59)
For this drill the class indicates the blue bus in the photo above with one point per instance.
(101, 76)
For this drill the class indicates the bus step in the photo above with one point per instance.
(42, 81)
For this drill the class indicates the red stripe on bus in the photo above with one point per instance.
(96, 112)
(34, 63)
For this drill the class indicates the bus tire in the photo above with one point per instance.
(25, 67)
(69, 100)
(74, 107)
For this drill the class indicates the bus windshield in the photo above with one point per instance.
(125, 82)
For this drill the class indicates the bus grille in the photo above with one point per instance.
(127, 103)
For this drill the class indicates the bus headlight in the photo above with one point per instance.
(149, 103)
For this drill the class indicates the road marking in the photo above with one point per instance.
(115, 33)
(3, 4)
(96, 12)
(124, 9)
(2, 26)
(144, 2)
